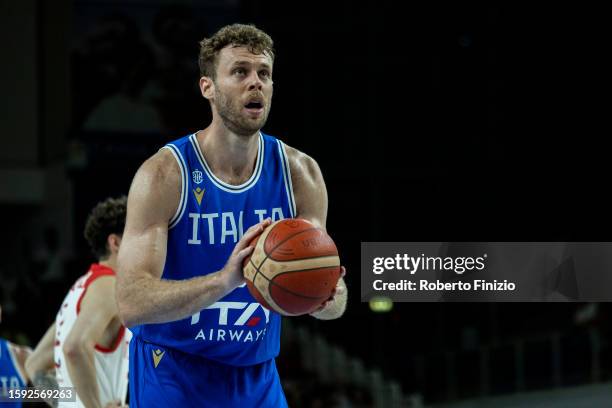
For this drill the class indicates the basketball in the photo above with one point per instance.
(294, 267)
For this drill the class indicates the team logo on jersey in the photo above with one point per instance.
(239, 326)
(157, 356)
(197, 176)
(199, 193)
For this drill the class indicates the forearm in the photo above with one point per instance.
(38, 363)
(150, 300)
(336, 308)
(82, 370)
(41, 359)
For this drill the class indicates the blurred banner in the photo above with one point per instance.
(486, 271)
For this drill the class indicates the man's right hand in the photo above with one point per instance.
(232, 271)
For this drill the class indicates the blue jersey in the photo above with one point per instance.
(10, 374)
(211, 218)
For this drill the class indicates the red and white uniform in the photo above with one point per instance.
(111, 363)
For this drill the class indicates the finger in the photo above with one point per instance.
(260, 226)
(244, 253)
(263, 223)
(251, 233)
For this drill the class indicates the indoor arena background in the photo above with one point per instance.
(433, 122)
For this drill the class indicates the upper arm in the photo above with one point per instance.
(97, 310)
(308, 187)
(152, 201)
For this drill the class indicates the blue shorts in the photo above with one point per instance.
(187, 380)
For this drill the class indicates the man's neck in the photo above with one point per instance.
(231, 157)
(110, 262)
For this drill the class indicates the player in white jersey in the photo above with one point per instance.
(87, 344)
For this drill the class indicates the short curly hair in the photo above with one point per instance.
(245, 35)
(107, 217)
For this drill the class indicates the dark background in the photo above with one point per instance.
(440, 122)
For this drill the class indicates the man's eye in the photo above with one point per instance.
(264, 74)
(239, 71)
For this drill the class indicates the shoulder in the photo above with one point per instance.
(98, 279)
(100, 288)
(161, 168)
(156, 188)
(101, 281)
(308, 187)
(302, 166)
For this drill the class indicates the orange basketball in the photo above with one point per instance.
(294, 267)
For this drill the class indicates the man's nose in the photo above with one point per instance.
(255, 82)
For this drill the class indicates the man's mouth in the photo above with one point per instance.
(255, 107)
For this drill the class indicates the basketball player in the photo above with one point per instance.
(12, 370)
(200, 338)
(87, 344)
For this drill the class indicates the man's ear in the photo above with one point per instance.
(113, 241)
(207, 87)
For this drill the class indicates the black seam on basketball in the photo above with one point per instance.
(270, 282)
(255, 266)
(309, 257)
(300, 259)
(304, 270)
(256, 270)
(281, 243)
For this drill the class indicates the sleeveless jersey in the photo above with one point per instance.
(211, 217)
(10, 374)
(111, 363)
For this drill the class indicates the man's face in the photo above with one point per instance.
(243, 89)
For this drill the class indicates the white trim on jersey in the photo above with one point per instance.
(287, 177)
(184, 177)
(220, 183)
